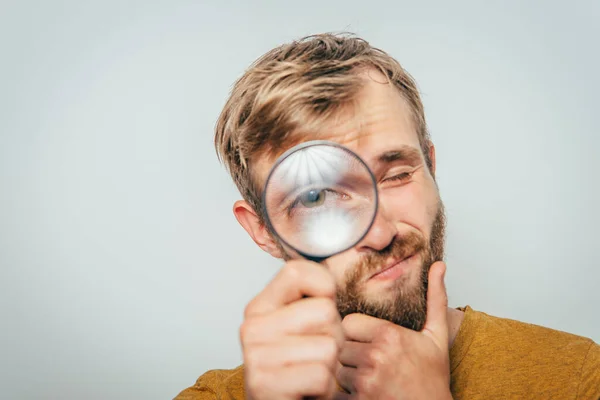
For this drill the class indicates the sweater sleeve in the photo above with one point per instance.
(216, 385)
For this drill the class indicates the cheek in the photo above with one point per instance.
(413, 204)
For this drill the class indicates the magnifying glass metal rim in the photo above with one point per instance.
(284, 156)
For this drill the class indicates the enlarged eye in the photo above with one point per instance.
(312, 198)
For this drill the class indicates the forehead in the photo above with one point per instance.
(379, 121)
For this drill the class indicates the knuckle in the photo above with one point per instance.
(330, 351)
(293, 270)
(329, 312)
(246, 331)
(322, 379)
(243, 331)
(329, 284)
(376, 356)
(249, 309)
(302, 270)
(339, 337)
(390, 334)
(349, 320)
(364, 383)
(361, 383)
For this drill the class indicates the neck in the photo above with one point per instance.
(455, 318)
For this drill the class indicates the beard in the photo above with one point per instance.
(407, 304)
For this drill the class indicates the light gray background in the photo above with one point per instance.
(123, 271)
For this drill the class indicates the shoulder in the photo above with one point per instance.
(536, 350)
(216, 384)
(501, 357)
(512, 333)
(590, 374)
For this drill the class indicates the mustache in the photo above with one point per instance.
(399, 248)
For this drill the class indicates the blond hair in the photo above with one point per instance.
(290, 91)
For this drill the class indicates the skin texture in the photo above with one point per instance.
(294, 340)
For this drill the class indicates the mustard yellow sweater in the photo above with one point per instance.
(491, 358)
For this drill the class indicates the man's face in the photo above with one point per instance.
(385, 274)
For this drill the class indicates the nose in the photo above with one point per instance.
(381, 234)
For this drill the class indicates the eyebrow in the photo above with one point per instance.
(406, 154)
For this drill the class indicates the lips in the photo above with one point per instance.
(391, 263)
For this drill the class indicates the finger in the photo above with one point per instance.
(362, 328)
(342, 396)
(346, 376)
(294, 350)
(314, 315)
(298, 278)
(293, 382)
(353, 354)
(436, 324)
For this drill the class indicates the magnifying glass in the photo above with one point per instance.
(320, 199)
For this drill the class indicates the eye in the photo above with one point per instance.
(312, 198)
(316, 198)
(404, 176)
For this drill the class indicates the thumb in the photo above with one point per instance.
(436, 324)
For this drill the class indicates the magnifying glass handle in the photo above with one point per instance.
(318, 260)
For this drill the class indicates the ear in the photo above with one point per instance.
(250, 221)
(431, 149)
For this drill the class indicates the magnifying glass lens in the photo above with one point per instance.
(320, 199)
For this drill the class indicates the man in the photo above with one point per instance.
(371, 322)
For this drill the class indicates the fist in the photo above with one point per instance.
(292, 335)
